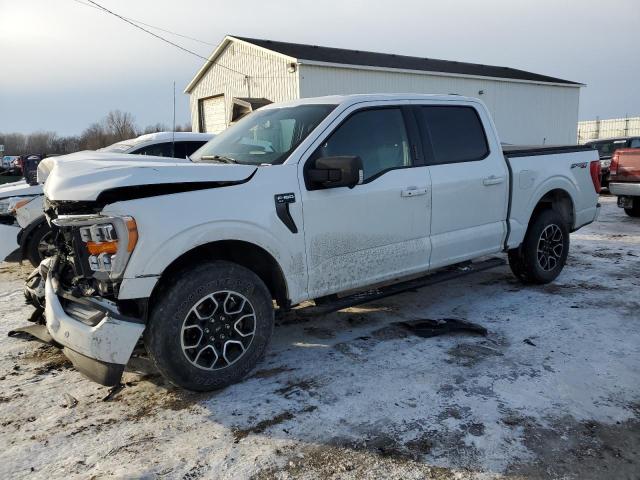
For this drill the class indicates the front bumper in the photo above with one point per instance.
(96, 337)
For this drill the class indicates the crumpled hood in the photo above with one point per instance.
(74, 180)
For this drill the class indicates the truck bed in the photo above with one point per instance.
(538, 169)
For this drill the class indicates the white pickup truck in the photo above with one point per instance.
(309, 200)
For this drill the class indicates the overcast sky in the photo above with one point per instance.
(64, 65)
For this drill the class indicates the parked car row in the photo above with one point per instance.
(310, 200)
(22, 201)
(606, 148)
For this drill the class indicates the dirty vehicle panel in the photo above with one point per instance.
(315, 198)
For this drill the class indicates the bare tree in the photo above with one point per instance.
(158, 127)
(14, 143)
(40, 142)
(94, 137)
(120, 125)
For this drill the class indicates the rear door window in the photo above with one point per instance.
(455, 133)
(157, 150)
(184, 149)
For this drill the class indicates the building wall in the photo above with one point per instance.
(524, 113)
(609, 128)
(267, 77)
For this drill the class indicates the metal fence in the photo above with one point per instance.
(611, 127)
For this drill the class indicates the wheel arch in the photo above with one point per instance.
(26, 234)
(559, 200)
(246, 254)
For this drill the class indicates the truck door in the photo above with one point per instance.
(469, 182)
(379, 229)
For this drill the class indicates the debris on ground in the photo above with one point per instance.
(427, 327)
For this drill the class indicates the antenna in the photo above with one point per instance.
(173, 130)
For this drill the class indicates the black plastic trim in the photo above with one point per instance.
(282, 201)
(509, 202)
(25, 234)
(542, 150)
(104, 373)
(135, 192)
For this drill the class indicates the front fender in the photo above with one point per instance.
(145, 267)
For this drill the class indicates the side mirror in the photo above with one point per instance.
(330, 172)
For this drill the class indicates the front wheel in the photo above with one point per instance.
(210, 327)
(543, 253)
(40, 244)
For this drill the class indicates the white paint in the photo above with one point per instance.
(348, 238)
(8, 240)
(110, 341)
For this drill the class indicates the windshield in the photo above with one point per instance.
(116, 147)
(265, 136)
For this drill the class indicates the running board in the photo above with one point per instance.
(333, 304)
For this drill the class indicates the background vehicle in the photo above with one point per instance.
(312, 199)
(24, 200)
(161, 144)
(625, 180)
(606, 149)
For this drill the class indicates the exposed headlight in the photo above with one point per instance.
(605, 163)
(107, 241)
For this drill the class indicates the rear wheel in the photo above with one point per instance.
(543, 253)
(211, 327)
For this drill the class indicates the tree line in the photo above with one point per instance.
(114, 127)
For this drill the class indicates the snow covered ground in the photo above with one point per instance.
(553, 391)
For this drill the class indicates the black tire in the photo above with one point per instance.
(165, 338)
(34, 250)
(634, 211)
(531, 266)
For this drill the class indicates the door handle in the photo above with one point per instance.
(492, 180)
(413, 191)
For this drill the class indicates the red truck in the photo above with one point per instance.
(625, 179)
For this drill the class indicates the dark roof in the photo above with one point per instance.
(387, 60)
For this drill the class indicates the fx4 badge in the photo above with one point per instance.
(580, 165)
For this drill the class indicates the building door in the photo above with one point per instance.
(213, 117)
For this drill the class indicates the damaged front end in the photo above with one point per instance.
(81, 284)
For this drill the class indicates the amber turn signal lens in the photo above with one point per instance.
(133, 234)
(96, 248)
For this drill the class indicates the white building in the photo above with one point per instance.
(244, 73)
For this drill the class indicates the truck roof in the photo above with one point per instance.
(370, 97)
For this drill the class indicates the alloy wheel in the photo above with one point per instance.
(218, 330)
(550, 247)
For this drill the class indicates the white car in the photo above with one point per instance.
(309, 200)
(24, 201)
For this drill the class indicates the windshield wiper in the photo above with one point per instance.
(219, 158)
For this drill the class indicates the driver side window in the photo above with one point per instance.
(377, 136)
